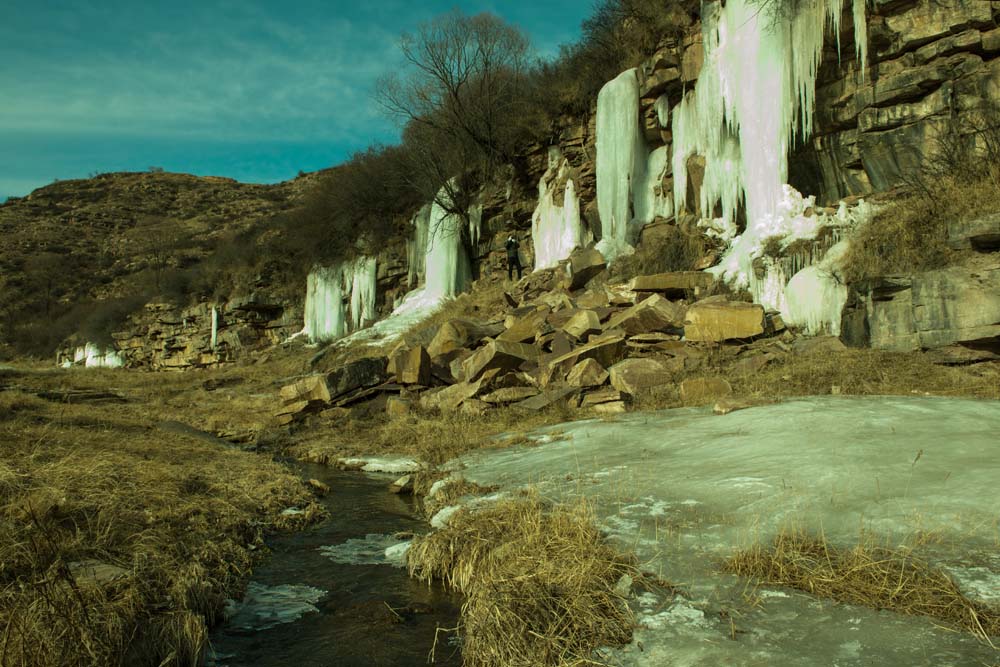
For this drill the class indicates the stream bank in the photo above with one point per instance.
(328, 596)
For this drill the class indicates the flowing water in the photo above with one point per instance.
(328, 596)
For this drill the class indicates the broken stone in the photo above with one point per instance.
(413, 366)
(311, 388)
(605, 395)
(674, 285)
(473, 406)
(621, 295)
(527, 328)
(560, 343)
(596, 298)
(509, 395)
(716, 321)
(652, 314)
(97, 572)
(451, 397)
(633, 376)
(605, 350)
(610, 408)
(587, 373)
(396, 407)
(460, 333)
(359, 374)
(584, 265)
(403, 485)
(699, 391)
(547, 397)
(582, 324)
(499, 354)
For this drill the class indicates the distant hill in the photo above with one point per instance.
(115, 236)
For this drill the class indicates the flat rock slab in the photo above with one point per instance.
(716, 321)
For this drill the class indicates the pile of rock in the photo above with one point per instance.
(591, 348)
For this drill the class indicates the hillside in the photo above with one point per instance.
(115, 236)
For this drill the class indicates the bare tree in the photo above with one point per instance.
(462, 100)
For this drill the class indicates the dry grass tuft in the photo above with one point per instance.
(119, 542)
(539, 583)
(867, 575)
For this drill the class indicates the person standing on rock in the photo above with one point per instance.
(513, 257)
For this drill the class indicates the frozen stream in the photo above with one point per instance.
(685, 488)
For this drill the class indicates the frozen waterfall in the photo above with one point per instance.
(91, 355)
(556, 229)
(629, 176)
(326, 315)
(754, 96)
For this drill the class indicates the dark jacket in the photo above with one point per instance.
(512, 249)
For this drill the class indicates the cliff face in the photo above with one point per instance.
(932, 67)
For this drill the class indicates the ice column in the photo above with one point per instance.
(754, 95)
(363, 292)
(447, 265)
(95, 356)
(324, 308)
(215, 327)
(555, 229)
(416, 248)
(621, 160)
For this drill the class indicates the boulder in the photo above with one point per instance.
(413, 366)
(595, 298)
(359, 374)
(605, 350)
(605, 395)
(318, 487)
(716, 321)
(497, 354)
(547, 397)
(396, 407)
(673, 285)
(509, 395)
(451, 397)
(311, 388)
(699, 391)
(652, 314)
(527, 328)
(461, 333)
(560, 343)
(403, 485)
(582, 324)
(584, 265)
(610, 408)
(633, 376)
(726, 405)
(587, 373)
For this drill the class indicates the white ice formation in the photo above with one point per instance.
(754, 96)
(96, 356)
(628, 176)
(327, 317)
(555, 226)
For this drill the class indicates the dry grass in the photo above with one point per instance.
(910, 234)
(173, 521)
(851, 372)
(539, 583)
(868, 575)
(433, 437)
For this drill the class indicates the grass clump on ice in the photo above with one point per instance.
(867, 575)
(539, 582)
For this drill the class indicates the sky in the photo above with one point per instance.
(256, 90)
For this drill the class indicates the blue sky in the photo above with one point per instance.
(252, 89)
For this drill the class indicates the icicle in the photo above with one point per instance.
(215, 328)
(324, 307)
(446, 263)
(363, 292)
(416, 248)
(621, 160)
(555, 229)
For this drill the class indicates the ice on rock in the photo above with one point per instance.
(753, 97)
(327, 317)
(96, 356)
(555, 227)
(264, 607)
(324, 307)
(621, 160)
(894, 467)
(815, 296)
(416, 247)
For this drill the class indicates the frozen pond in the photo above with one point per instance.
(685, 488)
